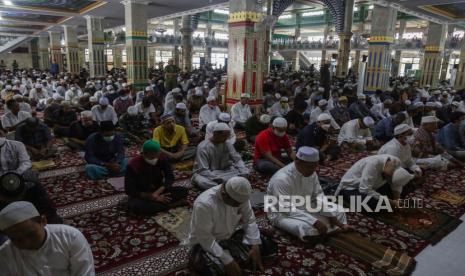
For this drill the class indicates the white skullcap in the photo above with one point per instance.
(245, 95)
(17, 97)
(109, 87)
(361, 97)
(38, 86)
(265, 119)
(401, 129)
(280, 122)
(86, 114)
(431, 104)
(103, 101)
(455, 103)
(407, 102)
(205, 83)
(445, 93)
(148, 88)
(132, 110)
(124, 85)
(8, 87)
(321, 89)
(389, 89)
(109, 81)
(429, 119)
(323, 117)
(211, 98)
(400, 178)
(436, 92)
(308, 154)
(368, 121)
(176, 90)
(198, 92)
(322, 102)
(438, 104)
(418, 104)
(387, 101)
(73, 88)
(93, 99)
(225, 117)
(284, 99)
(221, 127)
(57, 97)
(16, 82)
(17, 212)
(453, 91)
(181, 106)
(277, 96)
(238, 188)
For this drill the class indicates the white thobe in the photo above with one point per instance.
(209, 132)
(213, 221)
(10, 120)
(14, 158)
(288, 181)
(317, 112)
(22, 107)
(379, 110)
(100, 115)
(375, 100)
(277, 110)
(145, 110)
(34, 95)
(240, 113)
(64, 252)
(213, 92)
(208, 114)
(352, 133)
(170, 105)
(403, 152)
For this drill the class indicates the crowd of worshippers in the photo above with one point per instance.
(408, 131)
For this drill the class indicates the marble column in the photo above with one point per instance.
(117, 57)
(55, 49)
(44, 56)
(378, 67)
(186, 42)
(176, 33)
(460, 79)
(72, 50)
(96, 40)
(247, 53)
(35, 53)
(431, 67)
(342, 66)
(136, 43)
(208, 39)
(397, 58)
(446, 53)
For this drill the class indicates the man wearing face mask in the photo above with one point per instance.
(104, 153)
(280, 108)
(124, 101)
(104, 112)
(322, 108)
(316, 135)
(268, 146)
(399, 146)
(80, 130)
(148, 182)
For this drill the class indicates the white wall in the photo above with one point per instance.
(23, 60)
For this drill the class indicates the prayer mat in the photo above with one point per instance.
(449, 197)
(176, 221)
(117, 183)
(185, 165)
(383, 259)
(43, 165)
(426, 223)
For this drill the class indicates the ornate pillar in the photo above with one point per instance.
(72, 49)
(247, 53)
(117, 57)
(379, 50)
(186, 42)
(96, 40)
(446, 53)
(176, 46)
(460, 79)
(55, 49)
(431, 67)
(344, 41)
(136, 42)
(398, 55)
(208, 39)
(44, 57)
(35, 53)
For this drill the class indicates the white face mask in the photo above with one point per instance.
(279, 133)
(325, 127)
(152, 162)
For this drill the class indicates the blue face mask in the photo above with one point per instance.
(109, 138)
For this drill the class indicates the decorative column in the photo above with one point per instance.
(55, 49)
(431, 67)
(295, 59)
(397, 58)
(208, 39)
(176, 53)
(151, 57)
(378, 67)
(344, 41)
(186, 42)
(247, 53)
(460, 79)
(44, 57)
(96, 40)
(117, 57)
(446, 53)
(72, 49)
(325, 38)
(356, 63)
(136, 43)
(35, 53)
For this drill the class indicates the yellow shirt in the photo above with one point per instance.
(166, 141)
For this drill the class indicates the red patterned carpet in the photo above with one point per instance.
(128, 245)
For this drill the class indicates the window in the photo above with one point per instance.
(418, 35)
(86, 55)
(109, 53)
(163, 56)
(196, 60)
(218, 60)
(124, 57)
(198, 34)
(452, 62)
(315, 38)
(408, 64)
(221, 36)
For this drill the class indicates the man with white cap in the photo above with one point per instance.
(35, 248)
(181, 116)
(300, 179)
(104, 112)
(170, 103)
(123, 101)
(268, 146)
(356, 133)
(384, 129)
(37, 93)
(381, 110)
(7, 92)
(80, 130)
(240, 111)
(216, 160)
(147, 109)
(375, 176)
(255, 125)
(323, 108)
(217, 214)
(222, 118)
(280, 108)
(14, 116)
(208, 112)
(399, 146)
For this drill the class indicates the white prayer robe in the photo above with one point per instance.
(288, 181)
(352, 133)
(277, 110)
(170, 105)
(9, 119)
(99, 115)
(145, 110)
(34, 95)
(366, 175)
(403, 152)
(379, 110)
(213, 221)
(208, 114)
(240, 113)
(65, 252)
(317, 111)
(14, 158)
(209, 132)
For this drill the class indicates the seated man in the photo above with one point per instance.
(281, 108)
(65, 117)
(240, 111)
(216, 215)
(181, 116)
(216, 160)
(222, 118)
(316, 135)
(14, 187)
(148, 182)
(105, 153)
(35, 248)
(37, 138)
(340, 112)
(104, 112)
(300, 179)
(14, 116)
(255, 125)
(134, 127)
(449, 136)
(320, 109)
(356, 134)
(173, 139)
(268, 146)
(147, 109)
(375, 176)
(399, 146)
(14, 158)
(295, 118)
(384, 129)
(80, 130)
(381, 110)
(209, 112)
